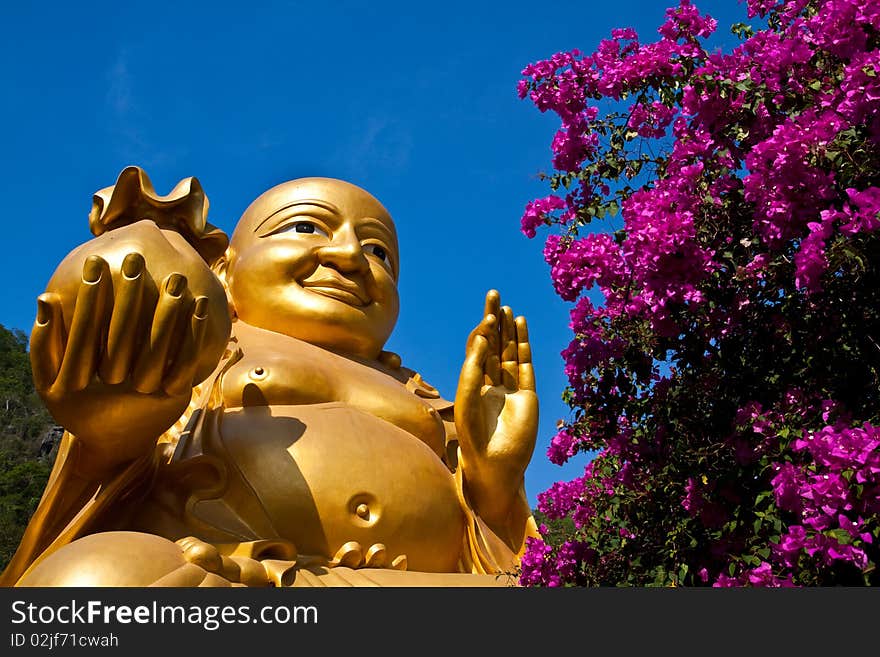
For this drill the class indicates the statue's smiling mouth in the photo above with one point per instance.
(339, 289)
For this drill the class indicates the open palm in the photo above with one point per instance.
(496, 410)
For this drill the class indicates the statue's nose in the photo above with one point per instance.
(343, 253)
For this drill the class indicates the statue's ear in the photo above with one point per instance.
(220, 267)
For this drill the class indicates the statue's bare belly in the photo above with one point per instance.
(327, 474)
(321, 451)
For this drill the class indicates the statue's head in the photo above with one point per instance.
(317, 259)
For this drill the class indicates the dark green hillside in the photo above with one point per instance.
(28, 442)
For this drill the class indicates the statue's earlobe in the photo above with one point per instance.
(220, 269)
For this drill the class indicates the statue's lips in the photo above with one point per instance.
(349, 293)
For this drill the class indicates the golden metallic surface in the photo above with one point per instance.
(233, 420)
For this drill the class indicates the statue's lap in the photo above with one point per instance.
(136, 559)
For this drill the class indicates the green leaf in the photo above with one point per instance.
(841, 535)
(682, 571)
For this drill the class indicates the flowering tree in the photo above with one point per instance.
(724, 206)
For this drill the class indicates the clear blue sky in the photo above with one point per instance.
(416, 102)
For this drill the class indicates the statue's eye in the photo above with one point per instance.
(378, 251)
(308, 228)
(302, 227)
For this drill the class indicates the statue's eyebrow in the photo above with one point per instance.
(377, 223)
(327, 205)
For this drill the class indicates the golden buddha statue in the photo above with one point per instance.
(233, 420)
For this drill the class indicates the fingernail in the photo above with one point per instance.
(201, 308)
(176, 284)
(92, 269)
(44, 311)
(133, 265)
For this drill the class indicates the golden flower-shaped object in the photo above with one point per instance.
(184, 209)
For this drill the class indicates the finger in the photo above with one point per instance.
(488, 329)
(179, 379)
(524, 355)
(509, 360)
(473, 370)
(493, 303)
(87, 327)
(468, 406)
(123, 335)
(47, 341)
(493, 368)
(151, 361)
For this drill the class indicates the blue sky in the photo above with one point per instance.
(415, 102)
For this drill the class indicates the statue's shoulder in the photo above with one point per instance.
(414, 382)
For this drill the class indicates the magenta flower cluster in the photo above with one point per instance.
(833, 495)
(830, 484)
(766, 185)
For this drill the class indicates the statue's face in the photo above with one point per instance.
(317, 259)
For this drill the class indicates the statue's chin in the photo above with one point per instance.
(338, 336)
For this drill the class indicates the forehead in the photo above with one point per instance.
(340, 197)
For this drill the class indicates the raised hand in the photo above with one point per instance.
(496, 410)
(122, 373)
